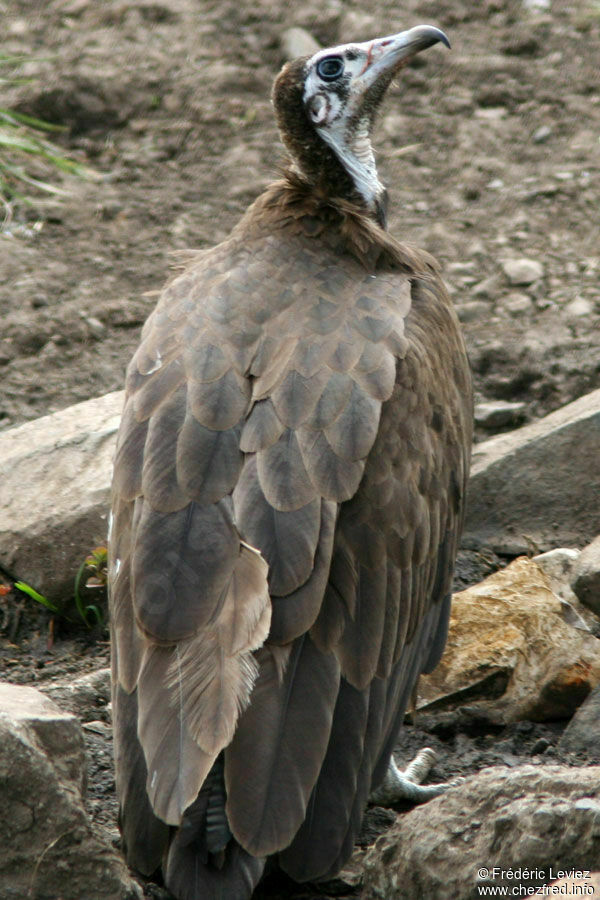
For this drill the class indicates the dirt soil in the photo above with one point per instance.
(491, 153)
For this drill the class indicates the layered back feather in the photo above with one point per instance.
(287, 500)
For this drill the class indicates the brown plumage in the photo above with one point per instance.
(288, 495)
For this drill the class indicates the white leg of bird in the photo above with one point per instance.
(406, 785)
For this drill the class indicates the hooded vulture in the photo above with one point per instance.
(288, 494)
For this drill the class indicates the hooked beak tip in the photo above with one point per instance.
(429, 35)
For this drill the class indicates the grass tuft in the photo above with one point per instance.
(30, 163)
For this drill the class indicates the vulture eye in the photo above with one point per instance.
(330, 68)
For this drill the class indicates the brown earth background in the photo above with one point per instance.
(490, 151)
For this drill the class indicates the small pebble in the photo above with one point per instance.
(542, 134)
(487, 288)
(470, 312)
(97, 727)
(97, 328)
(540, 746)
(522, 271)
(498, 413)
(516, 304)
(7, 352)
(298, 42)
(579, 307)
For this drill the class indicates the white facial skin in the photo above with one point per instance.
(335, 87)
(332, 106)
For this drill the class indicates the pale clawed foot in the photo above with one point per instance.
(398, 786)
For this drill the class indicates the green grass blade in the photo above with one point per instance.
(81, 608)
(17, 118)
(18, 173)
(39, 598)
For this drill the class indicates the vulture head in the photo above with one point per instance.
(325, 107)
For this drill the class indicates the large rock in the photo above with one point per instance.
(586, 575)
(47, 848)
(512, 652)
(538, 485)
(582, 734)
(86, 697)
(530, 823)
(560, 566)
(55, 475)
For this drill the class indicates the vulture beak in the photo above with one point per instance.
(385, 56)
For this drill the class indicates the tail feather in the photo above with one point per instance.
(204, 862)
(145, 837)
(193, 873)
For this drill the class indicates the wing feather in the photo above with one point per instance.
(156, 387)
(266, 810)
(287, 539)
(295, 613)
(322, 833)
(127, 480)
(208, 462)
(160, 486)
(296, 396)
(219, 404)
(334, 478)
(262, 427)
(197, 547)
(332, 401)
(283, 476)
(176, 765)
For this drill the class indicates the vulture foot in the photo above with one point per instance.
(406, 785)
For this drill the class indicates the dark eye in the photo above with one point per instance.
(330, 68)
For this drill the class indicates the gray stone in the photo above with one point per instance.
(47, 847)
(516, 304)
(498, 413)
(558, 566)
(488, 288)
(579, 307)
(531, 818)
(539, 485)
(473, 310)
(55, 474)
(541, 135)
(86, 697)
(96, 327)
(586, 576)
(582, 734)
(298, 42)
(522, 271)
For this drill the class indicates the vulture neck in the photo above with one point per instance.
(336, 164)
(336, 172)
(343, 225)
(357, 158)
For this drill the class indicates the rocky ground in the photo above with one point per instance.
(492, 157)
(490, 152)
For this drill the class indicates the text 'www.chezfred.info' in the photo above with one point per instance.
(526, 882)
